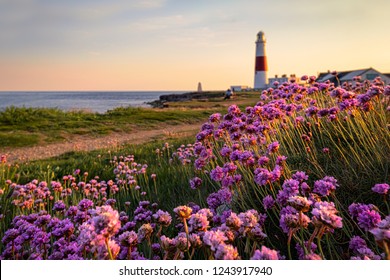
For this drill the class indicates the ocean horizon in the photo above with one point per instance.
(93, 101)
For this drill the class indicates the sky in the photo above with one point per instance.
(175, 44)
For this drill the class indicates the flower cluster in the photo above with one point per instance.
(253, 202)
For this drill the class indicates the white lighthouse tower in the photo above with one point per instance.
(261, 79)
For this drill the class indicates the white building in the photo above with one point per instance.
(239, 88)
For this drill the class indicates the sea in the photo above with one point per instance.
(91, 101)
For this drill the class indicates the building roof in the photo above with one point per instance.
(342, 76)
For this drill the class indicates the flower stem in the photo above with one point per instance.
(289, 244)
(109, 250)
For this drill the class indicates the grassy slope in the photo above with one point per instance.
(32, 126)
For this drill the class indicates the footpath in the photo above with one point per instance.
(88, 143)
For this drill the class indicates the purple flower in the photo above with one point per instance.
(290, 219)
(262, 176)
(111, 202)
(233, 221)
(359, 248)
(312, 257)
(263, 160)
(311, 111)
(325, 186)
(257, 234)
(368, 219)
(325, 213)
(280, 160)
(215, 117)
(356, 208)
(225, 151)
(301, 251)
(72, 211)
(106, 221)
(234, 110)
(214, 239)
(300, 203)
(222, 197)
(235, 155)
(217, 174)
(268, 202)
(10, 235)
(81, 217)
(337, 92)
(64, 228)
(226, 252)
(195, 183)
(382, 231)
(290, 187)
(357, 243)
(300, 176)
(128, 239)
(266, 254)
(250, 219)
(59, 206)
(163, 218)
(199, 221)
(273, 147)
(230, 167)
(42, 220)
(85, 204)
(381, 188)
(276, 173)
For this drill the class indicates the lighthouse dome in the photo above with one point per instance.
(260, 37)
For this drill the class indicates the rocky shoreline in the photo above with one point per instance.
(164, 99)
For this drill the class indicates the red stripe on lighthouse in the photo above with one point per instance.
(261, 63)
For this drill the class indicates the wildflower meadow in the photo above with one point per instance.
(302, 174)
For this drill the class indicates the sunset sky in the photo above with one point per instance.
(174, 44)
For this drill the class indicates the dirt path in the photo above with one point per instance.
(84, 143)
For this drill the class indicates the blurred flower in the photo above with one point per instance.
(266, 254)
(325, 186)
(381, 188)
(300, 203)
(163, 218)
(85, 204)
(195, 183)
(183, 212)
(268, 202)
(128, 239)
(214, 239)
(106, 221)
(273, 147)
(382, 231)
(59, 206)
(226, 252)
(145, 232)
(326, 213)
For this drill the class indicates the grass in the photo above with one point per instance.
(358, 158)
(29, 126)
(172, 175)
(21, 127)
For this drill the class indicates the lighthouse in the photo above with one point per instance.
(261, 79)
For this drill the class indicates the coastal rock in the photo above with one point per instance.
(161, 103)
(190, 96)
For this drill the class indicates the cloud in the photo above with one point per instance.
(36, 25)
(158, 23)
